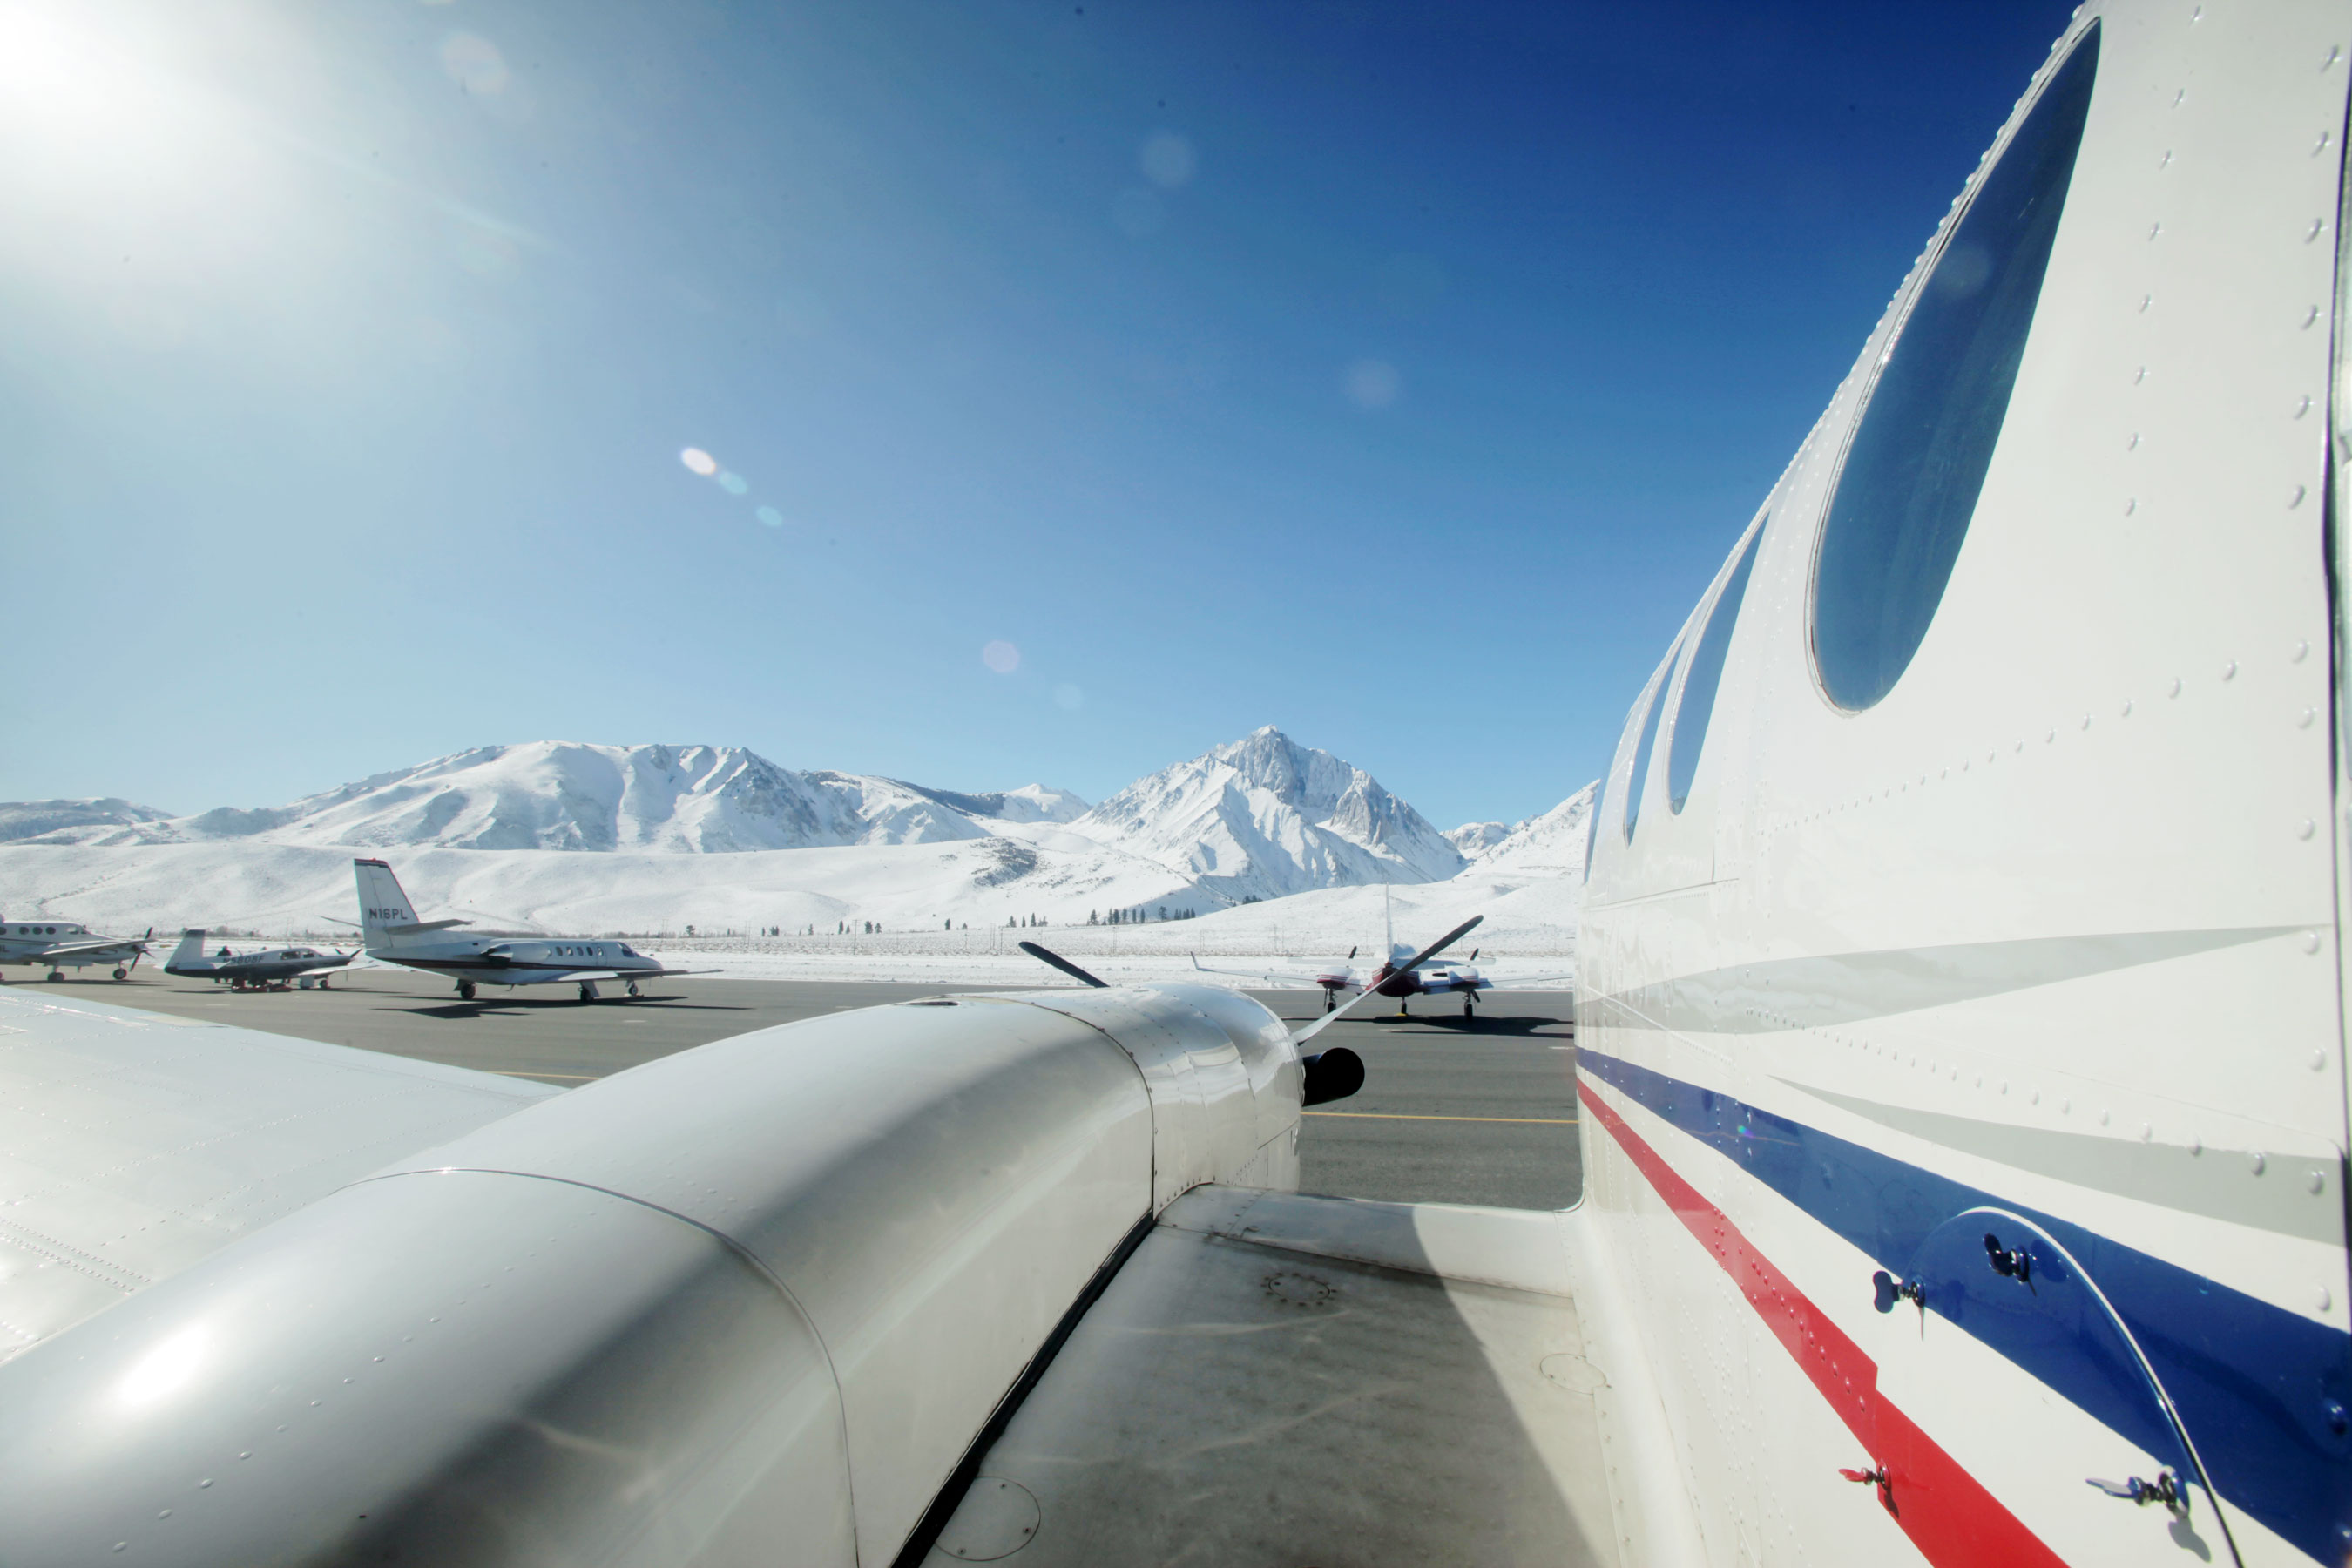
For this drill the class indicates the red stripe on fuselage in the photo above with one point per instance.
(1952, 1520)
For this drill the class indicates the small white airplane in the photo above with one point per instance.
(270, 969)
(1396, 977)
(391, 933)
(62, 946)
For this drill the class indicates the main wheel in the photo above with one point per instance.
(633, 989)
(1467, 1010)
(56, 974)
(121, 973)
(466, 989)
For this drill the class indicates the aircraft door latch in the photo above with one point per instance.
(1890, 1290)
(2011, 1263)
(2166, 1489)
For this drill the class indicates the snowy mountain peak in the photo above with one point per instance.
(569, 796)
(23, 819)
(1552, 844)
(1264, 816)
(1474, 838)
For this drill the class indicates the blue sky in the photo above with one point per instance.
(1395, 374)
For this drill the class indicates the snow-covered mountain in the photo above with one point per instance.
(659, 838)
(1473, 839)
(1552, 844)
(561, 795)
(23, 819)
(1264, 817)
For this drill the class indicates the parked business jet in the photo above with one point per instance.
(1397, 976)
(268, 969)
(391, 933)
(1961, 1057)
(60, 945)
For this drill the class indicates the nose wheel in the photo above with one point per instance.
(633, 989)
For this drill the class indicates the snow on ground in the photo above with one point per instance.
(282, 892)
(281, 887)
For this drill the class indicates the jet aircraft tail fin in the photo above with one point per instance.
(387, 920)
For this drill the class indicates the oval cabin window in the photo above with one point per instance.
(1919, 458)
(1706, 673)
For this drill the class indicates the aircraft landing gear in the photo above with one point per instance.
(121, 972)
(56, 974)
(633, 989)
(587, 991)
(1330, 1000)
(1469, 1010)
(465, 990)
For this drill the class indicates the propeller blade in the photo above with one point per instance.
(1424, 956)
(1045, 956)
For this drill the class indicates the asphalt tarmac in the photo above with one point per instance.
(1479, 1111)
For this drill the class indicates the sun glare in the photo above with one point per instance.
(162, 1370)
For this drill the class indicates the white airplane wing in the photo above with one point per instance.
(1272, 977)
(1518, 981)
(133, 1145)
(71, 949)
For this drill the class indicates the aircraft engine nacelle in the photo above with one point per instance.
(752, 1303)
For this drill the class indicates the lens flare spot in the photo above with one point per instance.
(700, 461)
(1001, 657)
(1168, 161)
(770, 516)
(474, 64)
(734, 484)
(1372, 383)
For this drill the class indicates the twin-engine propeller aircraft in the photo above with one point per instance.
(1960, 1048)
(60, 945)
(268, 969)
(391, 933)
(1399, 977)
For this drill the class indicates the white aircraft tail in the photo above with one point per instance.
(190, 953)
(387, 920)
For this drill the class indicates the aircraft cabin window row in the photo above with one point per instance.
(1706, 673)
(1919, 458)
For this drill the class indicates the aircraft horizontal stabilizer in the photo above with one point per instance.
(416, 927)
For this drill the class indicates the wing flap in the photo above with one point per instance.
(134, 1144)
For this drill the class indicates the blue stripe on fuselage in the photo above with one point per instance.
(2263, 1391)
